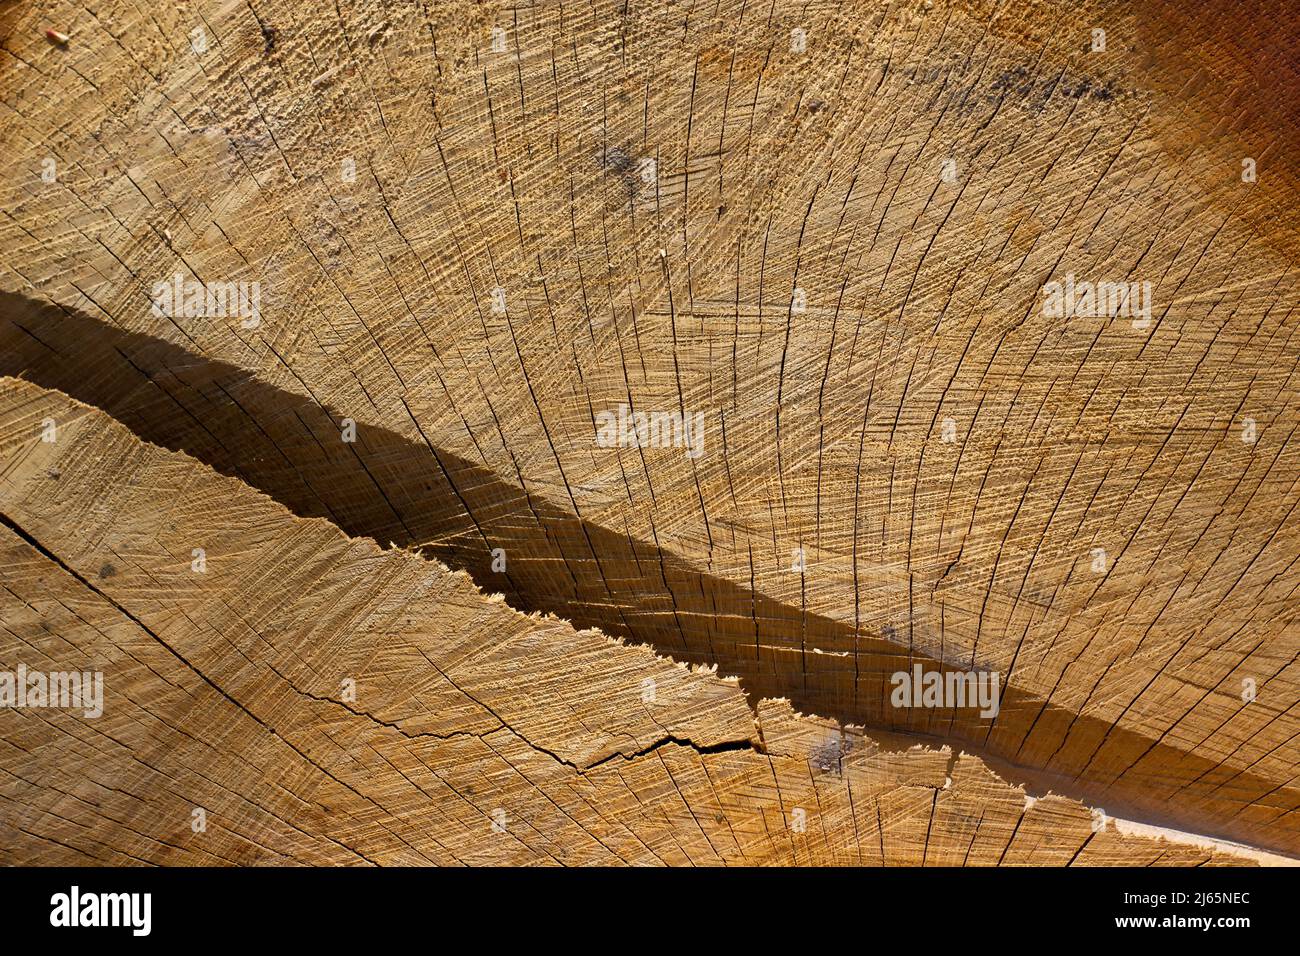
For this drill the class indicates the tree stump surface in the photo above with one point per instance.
(484, 236)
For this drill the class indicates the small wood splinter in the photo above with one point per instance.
(60, 38)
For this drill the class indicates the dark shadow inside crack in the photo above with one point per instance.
(413, 494)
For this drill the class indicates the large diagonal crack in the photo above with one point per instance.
(411, 493)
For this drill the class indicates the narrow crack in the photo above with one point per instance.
(22, 533)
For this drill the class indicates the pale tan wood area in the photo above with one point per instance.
(476, 734)
(801, 266)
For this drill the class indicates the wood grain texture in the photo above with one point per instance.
(476, 734)
(779, 177)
